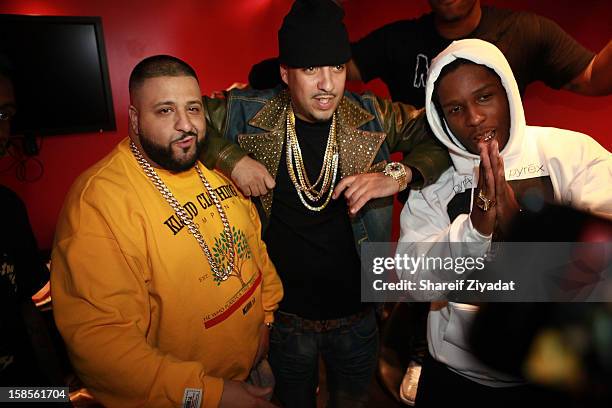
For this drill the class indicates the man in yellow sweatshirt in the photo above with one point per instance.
(162, 286)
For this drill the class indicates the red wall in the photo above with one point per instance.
(222, 39)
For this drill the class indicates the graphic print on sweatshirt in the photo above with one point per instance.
(202, 211)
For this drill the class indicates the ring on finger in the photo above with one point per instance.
(484, 203)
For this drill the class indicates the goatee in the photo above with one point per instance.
(164, 156)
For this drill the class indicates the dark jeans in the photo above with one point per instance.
(350, 354)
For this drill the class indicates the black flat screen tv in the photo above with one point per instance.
(60, 74)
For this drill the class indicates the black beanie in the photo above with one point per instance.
(313, 35)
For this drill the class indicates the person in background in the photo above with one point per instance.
(27, 355)
(536, 48)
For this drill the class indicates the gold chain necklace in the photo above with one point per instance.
(297, 170)
(221, 273)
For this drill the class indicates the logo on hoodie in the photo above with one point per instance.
(527, 171)
(467, 182)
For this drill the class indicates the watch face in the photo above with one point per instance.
(398, 173)
(393, 169)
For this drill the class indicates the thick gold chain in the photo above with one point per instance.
(297, 170)
(221, 273)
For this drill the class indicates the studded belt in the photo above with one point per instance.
(320, 326)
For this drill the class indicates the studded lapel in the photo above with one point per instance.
(357, 147)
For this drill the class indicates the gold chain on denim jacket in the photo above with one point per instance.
(329, 169)
(220, 273)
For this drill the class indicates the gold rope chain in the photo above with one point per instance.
(220, 273)
(329, 169)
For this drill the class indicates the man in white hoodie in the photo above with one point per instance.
(499, 166)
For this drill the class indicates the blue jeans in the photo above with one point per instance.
(350, 354)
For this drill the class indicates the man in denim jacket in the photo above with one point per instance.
(300, 148)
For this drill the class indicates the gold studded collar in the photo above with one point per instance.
(273, 115)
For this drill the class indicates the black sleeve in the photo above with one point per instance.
(265, 74)
(373, 53)
(561, 57)
(31, 273)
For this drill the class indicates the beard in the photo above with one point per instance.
(165, 157)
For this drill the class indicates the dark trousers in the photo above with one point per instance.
(350, 355)
(441, 387)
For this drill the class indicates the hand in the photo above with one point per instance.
(484, 221)
(252, 177)
(492, 181)
(264, 344)
(361, 188)
(507, 206)
(238, 394)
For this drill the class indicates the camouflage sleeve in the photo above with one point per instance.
(218, 152)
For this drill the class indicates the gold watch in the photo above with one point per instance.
(397, 171)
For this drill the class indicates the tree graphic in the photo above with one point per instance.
(222, 254)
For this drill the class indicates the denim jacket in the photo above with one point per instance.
(369, 129)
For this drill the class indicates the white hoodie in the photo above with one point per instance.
(577, 167)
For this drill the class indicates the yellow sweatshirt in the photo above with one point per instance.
(134, 297)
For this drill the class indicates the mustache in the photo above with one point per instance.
(185, 135)
(326, 94)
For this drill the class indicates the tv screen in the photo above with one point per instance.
(59, 72)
